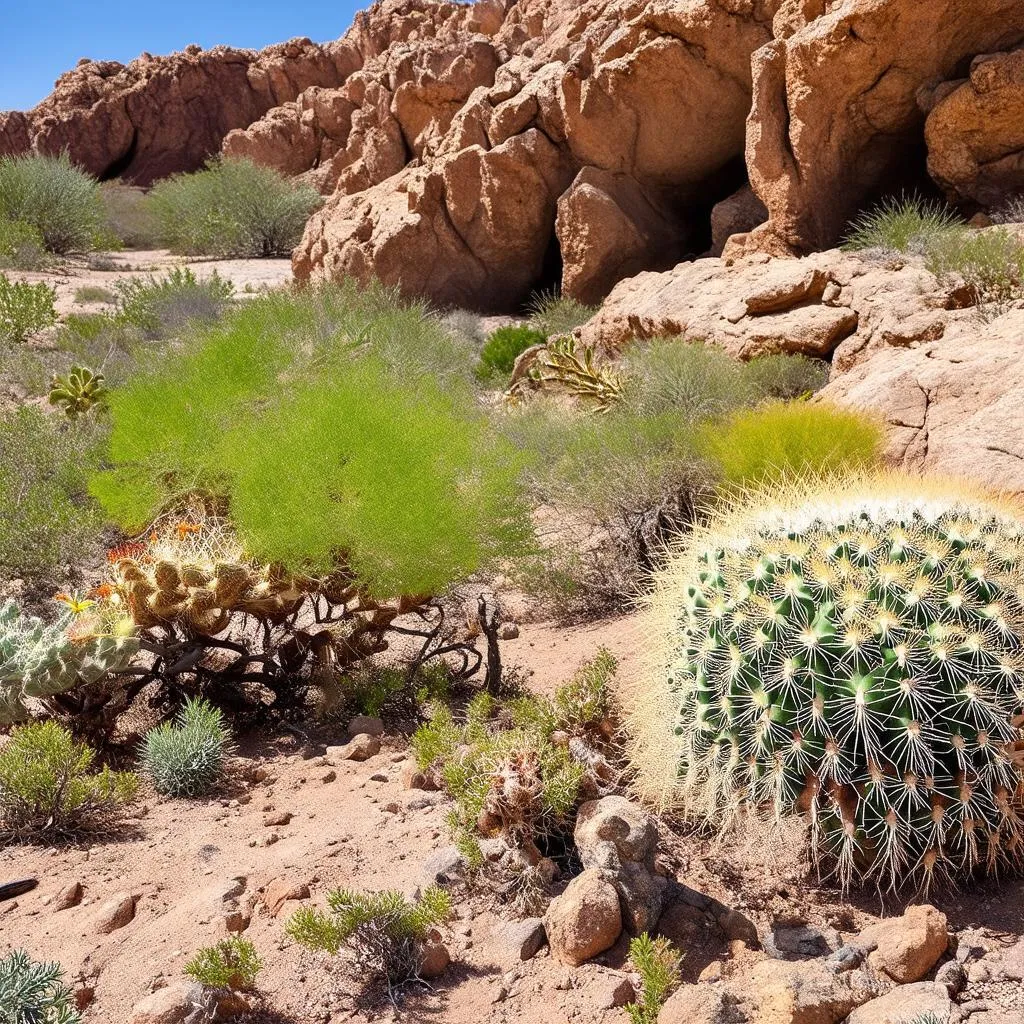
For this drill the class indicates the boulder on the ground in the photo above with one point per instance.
(585, 920)
(907, 1004)
(115, 913)
(182, 1002)
(282, 890)
(906, 948)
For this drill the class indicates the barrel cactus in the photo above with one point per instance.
(40, 659)
(852, 651)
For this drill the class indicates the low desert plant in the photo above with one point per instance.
(93, 293)
(25, 308)
(232, 963)
(34, 993)
(378, 690)
(907, 224)
(384, 934)
(42, 662)
(656, 961)
(990, 263)
(1009, 211)
(79, 392)
(232, 208)
(128, 216)
(21, 246)
(786, 377)
(186, 757)
(576, 370)
(787, 439)
(48, 518)
(519, 768)
(54, 197)
(848, 650)
(48, 788)
(160, 307)
(553, 314)
(503, 347)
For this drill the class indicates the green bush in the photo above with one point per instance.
(657, 962)
(384, 933)
(161, 307)
(378, 690)
(128, 216)
(904, 224)
(48, 788)
(317, 417)
(850, 652)
(786, 377)
(781, 439)
(54, 197)
(48, 519)
(21, 246)
(34, 993)
(232, 208)
(990, 263)
(25, 308)
(553, 314)
(503, 347)
(186, 757)
(92, 293)
(232, 963)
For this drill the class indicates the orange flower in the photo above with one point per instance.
(63, 598)
(133, 549)
(186, 528)
(102, 592)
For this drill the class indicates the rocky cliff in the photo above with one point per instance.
(474, 153)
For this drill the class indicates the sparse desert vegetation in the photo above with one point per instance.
(388, 634)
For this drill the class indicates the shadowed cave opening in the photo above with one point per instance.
(117, 168)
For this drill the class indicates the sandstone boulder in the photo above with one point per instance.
(953, 406)
(585, 920)
(183, 1002)
(906, 948)
(280, 891)
(835, 112)
(905, 1005)
(117, 912)
(975, 130)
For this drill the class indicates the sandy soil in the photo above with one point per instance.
(248, 276)
(355, 825)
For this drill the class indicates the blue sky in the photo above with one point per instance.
(42, 38)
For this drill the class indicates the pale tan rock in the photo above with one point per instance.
(117, 912)
(905, 1005)
(282, 890)
(436, 959)
(182, 1002)
(834, 111)
(361, 747)
(975, 130)
(69, 896)
(953, 406)
(906, 948)
(585, 920)
(738, 214)
(367, 725)
(801, 992)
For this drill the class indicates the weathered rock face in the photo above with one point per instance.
(835, 106)
(953, 406)
(975, 130)
(613, 114)
(158, 115)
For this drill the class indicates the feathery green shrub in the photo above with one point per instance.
(48, 519)
(503, 347)
(990, 263)
(384, 933)
(161, 307)
(232, 208)
(850, 650)
(34, 993)
(657, 962)
(186, 757)
(51, 195)
(25, 308)
(329, 424)
(786, 439)
(232, 963)
(21, 246)
(48, 788)
(903, 224)
(552, 313)
(786, 377)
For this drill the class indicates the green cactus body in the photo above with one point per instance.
(39, 660)
(81, 390)
(856, 655)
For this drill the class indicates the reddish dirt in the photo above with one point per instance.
(357, 831)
